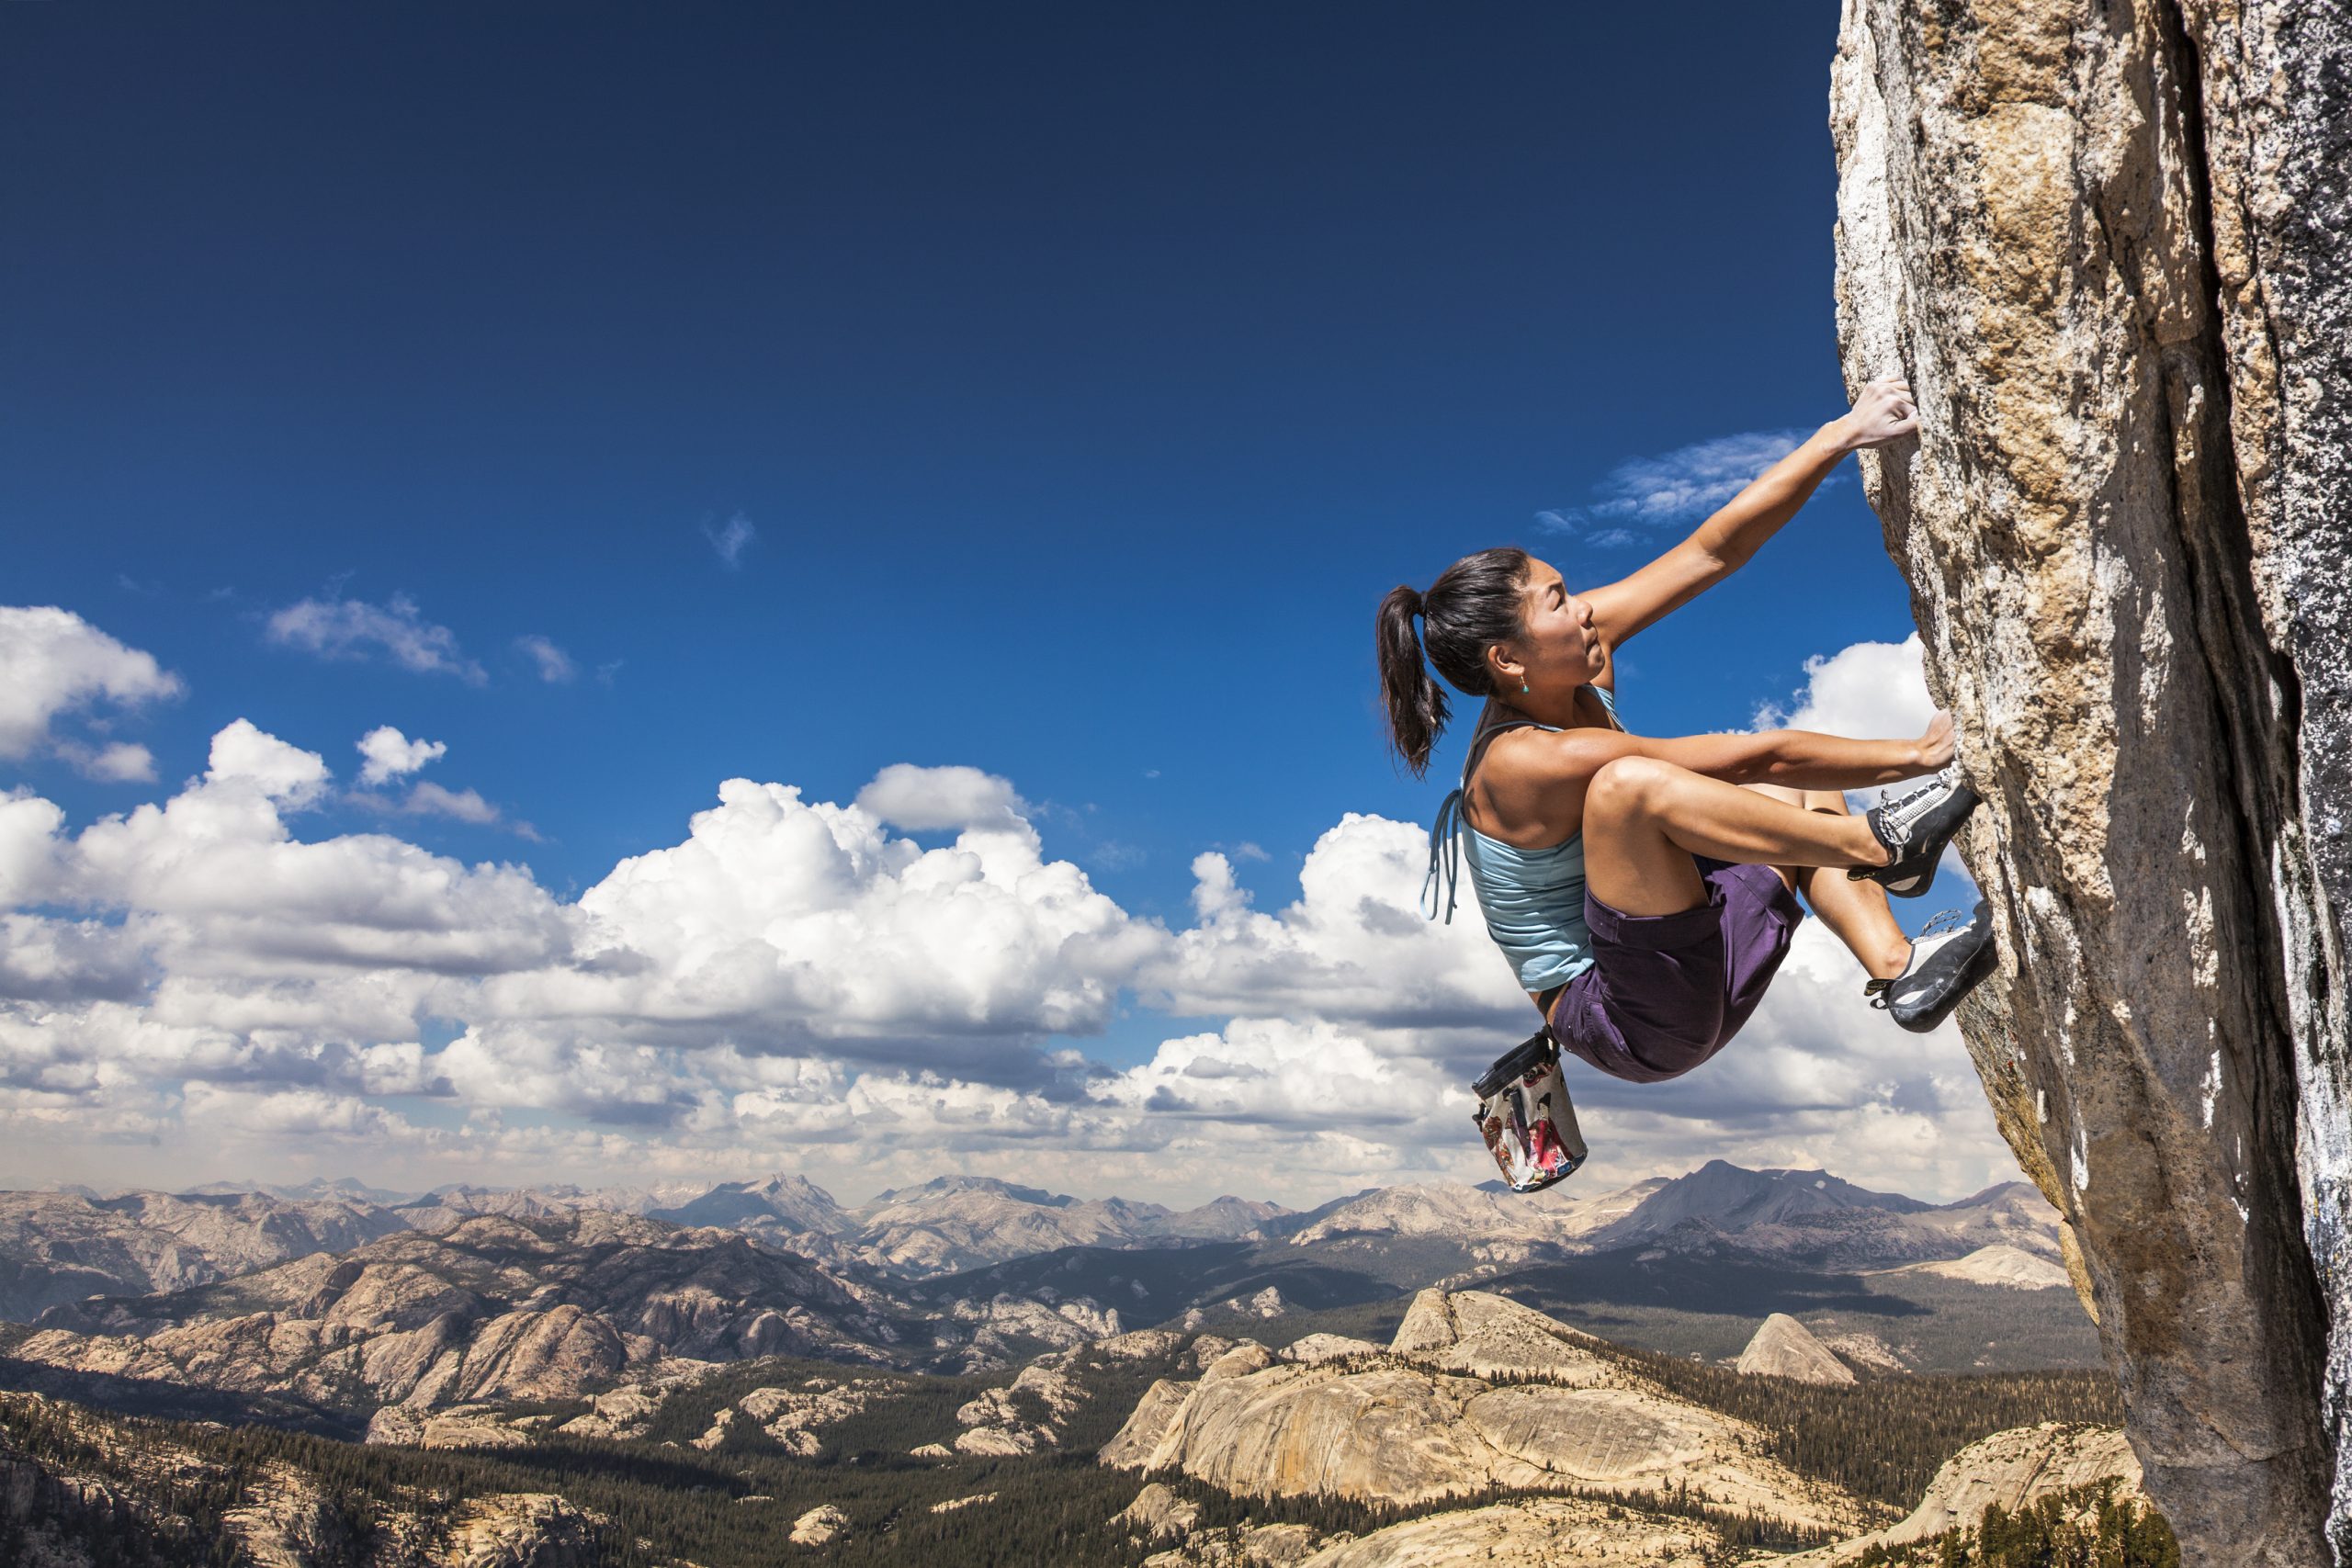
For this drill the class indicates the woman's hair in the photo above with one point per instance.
(1474, 604)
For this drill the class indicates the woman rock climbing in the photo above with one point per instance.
(1645, 888)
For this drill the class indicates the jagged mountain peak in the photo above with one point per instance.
(948, 1186)
(785, 1181)
(1727, 1195)
(790, 1201)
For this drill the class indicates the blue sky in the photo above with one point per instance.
(1051, 392)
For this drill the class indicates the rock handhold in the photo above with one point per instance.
(1783, 1347)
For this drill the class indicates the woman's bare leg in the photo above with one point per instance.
(1795, 797)
(1855, 912)
(1644, 820)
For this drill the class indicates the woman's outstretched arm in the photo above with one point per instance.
(1725, 542)
(1555, 769)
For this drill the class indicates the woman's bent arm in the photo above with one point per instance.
(1802, 759)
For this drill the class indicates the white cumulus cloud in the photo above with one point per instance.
(1870, 691)
(919, 799)
(389, 754)
(52, 662)
(790, 918)
(1355, 945)
(799, 982)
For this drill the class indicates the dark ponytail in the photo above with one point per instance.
(1416, 704)
(1474, 604)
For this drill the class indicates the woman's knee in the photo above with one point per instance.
(1628, 786)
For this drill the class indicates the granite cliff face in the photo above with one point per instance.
(2111, 243)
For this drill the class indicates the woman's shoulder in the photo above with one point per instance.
(1522, 770)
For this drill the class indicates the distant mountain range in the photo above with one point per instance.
(959, 1237)
(956, 1222)
(357, 1312)
(57, 1247)
(960, 1270)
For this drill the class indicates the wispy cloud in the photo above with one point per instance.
(730, 540)
(429, 799)
(352, 628)
(555, 666)
(425, 798)
(1670, 489)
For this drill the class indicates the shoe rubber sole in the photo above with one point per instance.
(1981, 963)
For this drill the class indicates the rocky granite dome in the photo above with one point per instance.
(1783, 1347)
(1545, 1532)
(2013, 1469)
(1473, 1390)
(2010, 1268)
(2111, 243)
(61, 1247)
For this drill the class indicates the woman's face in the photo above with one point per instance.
(1561, 644)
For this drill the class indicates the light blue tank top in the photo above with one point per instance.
(1533, 900)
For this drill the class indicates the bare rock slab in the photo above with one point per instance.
(1783, 1347)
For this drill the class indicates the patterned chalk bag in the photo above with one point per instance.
(1526, 1118)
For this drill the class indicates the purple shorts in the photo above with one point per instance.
(1665, 992)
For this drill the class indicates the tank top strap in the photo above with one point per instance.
(1444, 878)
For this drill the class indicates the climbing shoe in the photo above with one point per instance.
(1915, 828)
(1948, 958)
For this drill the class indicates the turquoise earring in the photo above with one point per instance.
(1522, 688)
